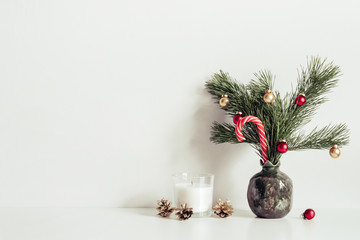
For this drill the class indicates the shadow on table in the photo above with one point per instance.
(261, 228)
(243, 214)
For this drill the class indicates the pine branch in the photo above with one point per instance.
(225, 132)
(315, 81)
(323, 138)
(222, 133)
(283, 118)
(221, 84)
(243, 98)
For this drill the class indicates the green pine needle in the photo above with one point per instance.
(283, 118)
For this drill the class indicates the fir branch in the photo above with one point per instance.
(225, 132)
(222, 133)
(315, 81)
(323, 138)
(283, 118)
(221, 84)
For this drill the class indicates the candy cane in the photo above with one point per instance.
(261, 129)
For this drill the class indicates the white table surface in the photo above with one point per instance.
(142, 223)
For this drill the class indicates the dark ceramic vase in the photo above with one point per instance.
(270, 192)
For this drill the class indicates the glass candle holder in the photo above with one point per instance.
(196, 190)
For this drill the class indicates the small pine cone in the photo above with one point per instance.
(223, 208)
(184, 212)
(164, 208)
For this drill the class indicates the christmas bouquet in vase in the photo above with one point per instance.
(272, 126)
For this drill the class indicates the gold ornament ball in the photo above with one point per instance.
(224, 101)
(335, 151)
(269, 97)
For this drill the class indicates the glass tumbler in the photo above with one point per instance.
(195, 189)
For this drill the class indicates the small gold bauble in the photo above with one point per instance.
(335, 151)
(269, 97)
(224, 101)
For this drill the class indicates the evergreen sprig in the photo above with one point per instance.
(282, 119)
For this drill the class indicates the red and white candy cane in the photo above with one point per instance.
(260, 126)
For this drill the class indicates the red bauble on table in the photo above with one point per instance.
(300, 100)
(282, 147)
(309, 214)
(237, 117)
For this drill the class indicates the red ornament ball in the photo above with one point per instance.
(309, 214)
(282, 147)
(237, 118)
(300, 100)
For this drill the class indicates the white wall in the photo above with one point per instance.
(101, 101)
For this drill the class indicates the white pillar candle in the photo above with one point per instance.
(197, 196)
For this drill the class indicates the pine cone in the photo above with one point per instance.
(184, 212)
(223, 208)
(164, 208)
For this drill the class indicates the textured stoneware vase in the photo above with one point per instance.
(270, 192)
